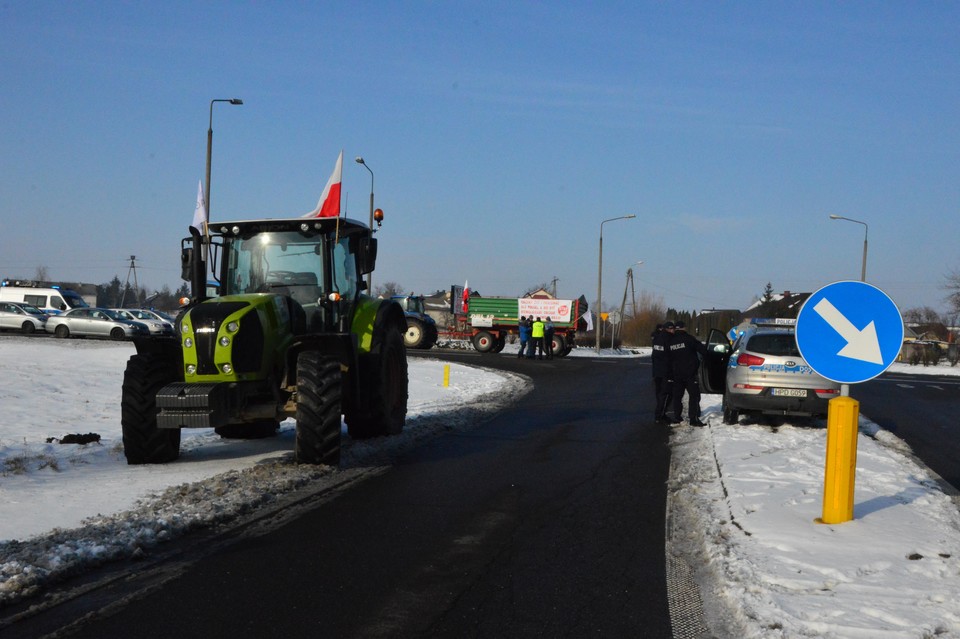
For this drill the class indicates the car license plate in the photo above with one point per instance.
(789, 392)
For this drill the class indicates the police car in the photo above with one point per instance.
(762, 372)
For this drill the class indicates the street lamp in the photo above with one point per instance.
(600, 277)
(369, 275)
(210, 145)
(866, 229)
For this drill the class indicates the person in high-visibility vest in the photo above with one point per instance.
(537, 335)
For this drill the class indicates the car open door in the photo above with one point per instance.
(713, 369)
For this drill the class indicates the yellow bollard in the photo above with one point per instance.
(843, 414)
(446, 375)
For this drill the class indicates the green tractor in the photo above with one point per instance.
(289, 334)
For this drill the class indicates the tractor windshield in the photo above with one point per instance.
(287, 263)
(273, 263)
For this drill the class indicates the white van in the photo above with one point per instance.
(53, 300)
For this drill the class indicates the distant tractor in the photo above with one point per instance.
(291, 334)
(421, 328)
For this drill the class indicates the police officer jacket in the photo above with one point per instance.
(660, 358)
(683, 350)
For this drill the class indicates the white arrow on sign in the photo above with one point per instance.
(862, 345)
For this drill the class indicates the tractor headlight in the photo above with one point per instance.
(184, 328)
(191, 369)
(224, 341)
(227, 368)
(233, 327)
(188, 342)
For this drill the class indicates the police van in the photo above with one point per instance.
(50, 299)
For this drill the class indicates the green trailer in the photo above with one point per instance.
(490, 320)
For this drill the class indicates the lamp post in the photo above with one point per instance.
(237, 101)
(369, 275)
(600, 278)
(866, 229)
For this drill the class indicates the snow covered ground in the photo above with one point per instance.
(743, 499)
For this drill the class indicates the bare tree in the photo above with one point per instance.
(41, 274)
(952, 286)
(387, 289)
(922, 315)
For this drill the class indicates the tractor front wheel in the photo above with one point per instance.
(319, 394)
(143, 442)
(415, 335)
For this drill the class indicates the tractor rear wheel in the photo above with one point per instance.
(143, 442)
(432, 336)
(384, 409)
(319, 394)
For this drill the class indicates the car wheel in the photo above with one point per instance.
(62, 331)
(731, 416)
(117, 333)
(28, 327)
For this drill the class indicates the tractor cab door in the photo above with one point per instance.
(713, 370)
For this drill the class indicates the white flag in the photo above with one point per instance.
(588, 318)
(200, 213)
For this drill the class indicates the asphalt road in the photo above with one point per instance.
(923, 411)
(546, 521)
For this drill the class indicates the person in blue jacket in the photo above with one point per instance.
(524, 327)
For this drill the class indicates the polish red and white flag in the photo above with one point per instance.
(329, 204)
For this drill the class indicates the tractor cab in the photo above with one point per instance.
(317, 264)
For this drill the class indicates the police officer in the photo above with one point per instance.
(684, 353)
(548, 331)
(661, 370)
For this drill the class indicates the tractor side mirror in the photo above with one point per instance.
(186, 263)
(367, 255)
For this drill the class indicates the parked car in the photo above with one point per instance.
(157, 324)
(94, 322)
(764, 373)
(20, 316)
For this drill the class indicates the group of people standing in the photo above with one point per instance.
(536, 338)
(676, 362)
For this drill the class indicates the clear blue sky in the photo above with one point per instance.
(500, 134)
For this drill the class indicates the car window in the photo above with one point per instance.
(783, 344)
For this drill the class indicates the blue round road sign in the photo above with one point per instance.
(849, 332)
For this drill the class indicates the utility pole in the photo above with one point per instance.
(553, 282)
(136, 288)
